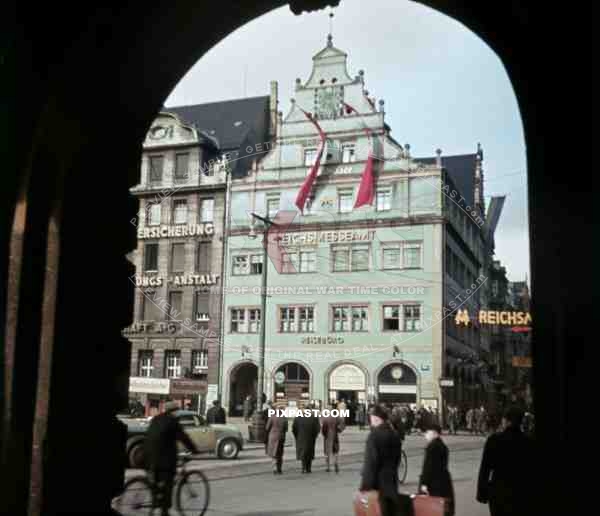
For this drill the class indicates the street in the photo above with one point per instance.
(247, 487)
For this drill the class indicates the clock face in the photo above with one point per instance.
(158, 132)
(328, 101)
(397, 373)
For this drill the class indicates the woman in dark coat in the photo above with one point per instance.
(276, 428)
(435, 478)
(306, 430)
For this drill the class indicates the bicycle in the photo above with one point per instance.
(142, 496)
(402, 468)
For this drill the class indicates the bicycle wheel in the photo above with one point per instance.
(402, 468)
(193, 494)
(136, 499)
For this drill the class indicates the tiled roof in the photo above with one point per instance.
(461, 169)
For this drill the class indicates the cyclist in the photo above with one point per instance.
(161, 452)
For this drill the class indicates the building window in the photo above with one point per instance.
(350, 258)
(156, 168)
(199, 360)
(308, 261)
(406, 255)
(181, 166)
(153, 214)
(244, 320)
(412, 317)
(340, 318)
(150, 257)
(308, 206)
(207, 210)
(350, 318)
(180, 214)
(412, 255)
(203, 257)
(384, 199)
(348, 153)
(392, 257)
(150, 309)
(306, 318)
(177, 258)
(173, 364)
(202, 306)
(272, 206)
(391, 317)
(296, 319)
(175, 305)
(299, 261)
(287, 320)
(244, 264)
(345, 201)
(145, 363)
(294, 373)
(310, 156)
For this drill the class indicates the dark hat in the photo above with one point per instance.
(380, 411)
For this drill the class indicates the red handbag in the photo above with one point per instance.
(367, 504)
(424, 505)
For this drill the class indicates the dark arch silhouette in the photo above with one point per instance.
(88, 82)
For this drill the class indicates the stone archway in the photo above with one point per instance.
(291, 383)
(397, 382)
(242, 382)
(57, 102)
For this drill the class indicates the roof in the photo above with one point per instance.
(221, 120)
(461, 169)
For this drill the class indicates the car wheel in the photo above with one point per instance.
(228, 449)
(136, 456)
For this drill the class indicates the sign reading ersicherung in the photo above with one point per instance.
(189, 230)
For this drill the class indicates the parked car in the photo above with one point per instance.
(225, 441)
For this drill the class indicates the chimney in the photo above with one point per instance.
(438, 159)
(407, 150)
(479, 197)
(273, 102)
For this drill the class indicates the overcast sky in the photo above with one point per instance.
(443, 87)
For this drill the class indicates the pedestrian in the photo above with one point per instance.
(435, 479)
(481, 421)
(382, 458)
(331, 428)
(306, 430)
(505, 474)
(247, 407)
(216, 414)
(397, 423)
(160, 452)
(275, 430)
(470, 418)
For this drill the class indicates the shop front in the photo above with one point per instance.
(397, 383)
(191, 394)
(292, 385)
(150, 392)
(348, 382)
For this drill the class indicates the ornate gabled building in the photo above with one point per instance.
(377, 251)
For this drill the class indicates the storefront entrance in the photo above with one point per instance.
(397, 383)
(242, 382)
(348, 382)
(292, 384)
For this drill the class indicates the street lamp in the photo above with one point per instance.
(258, 423)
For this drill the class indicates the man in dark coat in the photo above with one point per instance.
(216, 414)
(435, 479)
(247, 407)
(382, 457)
(331, 427)
(306, 430)
(160, 451)
(275, 430)
(506, 473)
